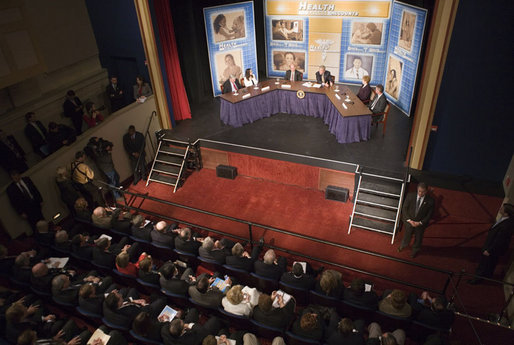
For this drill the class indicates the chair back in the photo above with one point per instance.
(389, 323)
(181, 300)
(420, 331)
(237, 321)
(326, 301)
(301, 295)
(203, 309)
(263, 284)
(355, 311)
(142, 340)
(162, 252)
(264, 331)
(124, 279)
(242, 276)
(97, 318)
(148, 288)
(189, 258)
(293, 339)
(114, 325)
(40, 292)
(210, 265)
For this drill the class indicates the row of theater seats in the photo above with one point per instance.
(303, 297)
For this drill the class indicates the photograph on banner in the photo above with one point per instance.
(282, 60)
(228, 26)
(358, 65)
(394, 77)
(287, 29)
(407, 30)
(369, 33)
(228, 63)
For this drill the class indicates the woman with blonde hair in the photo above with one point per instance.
(330, 284)
(239, 300)
(68, 192)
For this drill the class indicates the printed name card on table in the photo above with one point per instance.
(286, 86)
(266, 88)
(344, 106)
(246, 96)
(337, 96)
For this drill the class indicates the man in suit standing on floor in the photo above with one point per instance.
(416, 213)
(115, 94)
(496, 243)
(134, 143)
(25, 198)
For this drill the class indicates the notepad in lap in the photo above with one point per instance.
(99, 334)
(105, 236)
(61, 262)
(285, 296)
(167, 314)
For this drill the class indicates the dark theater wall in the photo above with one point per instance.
(474, 111)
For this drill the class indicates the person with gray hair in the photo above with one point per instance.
(62, 241)
(163, 234)
(231, 85)
(43, 235)
(271, 266)
(215, 250)
(187, 242)
(141, 230)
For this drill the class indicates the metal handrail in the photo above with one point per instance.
(147, 134)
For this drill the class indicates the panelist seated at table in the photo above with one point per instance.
(231, 84)
(250, 79)
(378, 104)
(365, 90)
(292, 74)
(323, 76)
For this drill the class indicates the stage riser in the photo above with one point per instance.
(305, 176)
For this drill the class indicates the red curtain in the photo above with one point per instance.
(179, 101)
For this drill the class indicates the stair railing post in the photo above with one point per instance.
(154, 113)
(250, 234)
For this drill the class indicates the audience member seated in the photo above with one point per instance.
(345, 334)
(186, 242)
(172, 282)
(141, 89)
(121, 307)
(267, 314)
(82, 210)
(189, 330)
(395, 303)
(215, 250)
(376, 337)
(205, 294)
(104, 219)
(67, 191)
(82, 246)
(298, 278)
(164, 235)
(104, 254)
(42, 276)
(43, 234)
(271, 267)
(22, 269)
(139, 229)
(62, 241)
(148, 326)
(125, 266)
(70, 334)
(330, 284)
(59, 135)
(146, 273)
(91, 297)
(241, 259)
(310, 324)
(240, 301)
(356, 294)
(365, 90)
(431, 311)
(92, 116)
(36, 133)
(66, 291)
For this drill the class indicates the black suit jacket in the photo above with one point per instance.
(193, 336)
(227, 87)
(380, 106)
(190, 246)
(367, 299)
(364, 92)
(34, 136)
(70, 109)
(103, 258)
(12, 158)
(149, 277)
(163, 238)
(218, 255)
(305, 281)
(142, 233)
(174, 285)
(424, 213)
(22, 203)
(115, 96)
(277, 317)
(326, 75)
(135, 145)
(298, 76)
(242, 262)
(93, 304)
(498, 237)
(270, 271)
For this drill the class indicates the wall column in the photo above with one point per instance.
(440, 33)
(147, 34)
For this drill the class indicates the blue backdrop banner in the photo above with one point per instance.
(230, 31)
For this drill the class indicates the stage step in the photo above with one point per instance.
(173, 162)
(377, 204)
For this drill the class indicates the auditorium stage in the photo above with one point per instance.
(302, 135)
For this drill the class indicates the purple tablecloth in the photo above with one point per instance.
(346, 129)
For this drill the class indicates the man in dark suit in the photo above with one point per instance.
(416, 213)
(25, 198)
(323, 77)
(59, 135)
(298, 278)
(74, 109)
(186, 242)
(189, 331)
(266, 314)
(292, 74)
(378, 104)
(36, 133)
(134, 144)
(172, 282)
(12, 156)
(121, 307)
(231, 84)
(496, 244)
(82, 246)
(146, 273)
(205, 295)
(214, 250)
(241, 259)
(357, 294)
(270, 267)
(104, 254)
(115, 94)
(164, 235)
(139, 230)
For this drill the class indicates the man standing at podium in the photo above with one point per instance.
(416, 213)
